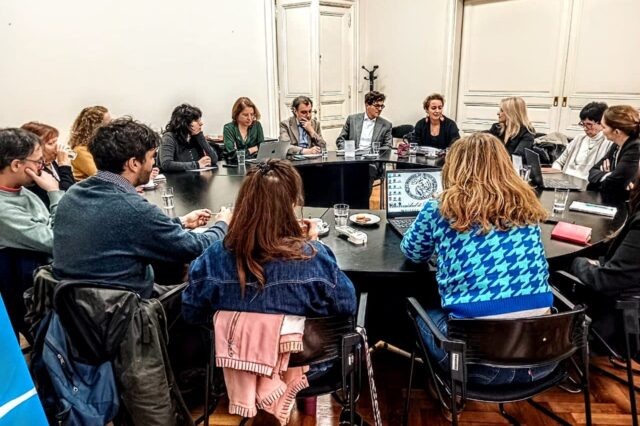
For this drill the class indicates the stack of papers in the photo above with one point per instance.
(598, 209)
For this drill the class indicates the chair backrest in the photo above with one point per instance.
(95, 317)
(322, 340)
(521, 342)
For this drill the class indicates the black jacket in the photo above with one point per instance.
(623, 169)
(65, 179)
(178, 157)
(619, 271)
(448, 133)
(518, 143)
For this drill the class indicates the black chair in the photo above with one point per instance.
(326, 339)
(510, 343)
(628, 317)
(401, 131)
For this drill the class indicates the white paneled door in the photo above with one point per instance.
(556, 54)
(316, 58)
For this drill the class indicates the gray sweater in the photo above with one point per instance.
(581, 154)
(25, 222)
(178, 157)
(107, 233)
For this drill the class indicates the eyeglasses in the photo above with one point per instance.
(587, 125)
(378, 106)
(40, 162)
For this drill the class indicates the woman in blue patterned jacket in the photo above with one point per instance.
(485, 230)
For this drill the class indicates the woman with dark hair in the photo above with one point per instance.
(245, 131)
(269, 261)
(612, 174)
(85, 125)
(183, 145)
(56, 158)
(613, 275)
(435, 129)
(485, 229)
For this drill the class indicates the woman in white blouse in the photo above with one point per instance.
(585, 150)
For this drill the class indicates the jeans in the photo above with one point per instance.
(476, 373)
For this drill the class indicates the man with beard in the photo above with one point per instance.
(107, 233)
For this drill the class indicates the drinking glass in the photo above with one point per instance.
(325, 153)
(349, 149)
(167, 198)
(413, 149)
(341, 214)
(560, 197)
(71, 153)
(525, 173)
(375, 148)
(240, 155)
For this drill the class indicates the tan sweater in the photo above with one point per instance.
(83, 165)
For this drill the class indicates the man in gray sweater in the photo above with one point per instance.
(25, 222)
(107, 233)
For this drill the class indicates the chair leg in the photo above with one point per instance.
(632, 391)
(507, 416)
(244, 421)
(550, 413)
(405, 416)
(454, 404)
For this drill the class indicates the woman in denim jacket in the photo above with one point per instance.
(269, 262)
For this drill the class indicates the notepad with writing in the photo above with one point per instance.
(571, 233)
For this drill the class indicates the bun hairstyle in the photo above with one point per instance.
(624, 118)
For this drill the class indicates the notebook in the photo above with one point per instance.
(571, 233)
(407, 191)
(562, 182)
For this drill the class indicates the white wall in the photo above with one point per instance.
(407, 39)
(138, 58)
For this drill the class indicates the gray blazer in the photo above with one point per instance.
(289, 132)
(352, 130)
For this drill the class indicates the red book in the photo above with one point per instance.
(569, 232)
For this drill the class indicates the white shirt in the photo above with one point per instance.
(367, 131)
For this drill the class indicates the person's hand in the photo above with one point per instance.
(204, 161)
(630, 186)
(196, 218)
(309, 229)
(224, 215)
(253, 150)
(140, 189)
(43, 180)
(312, 150)
(606, 166)
(154, 173)
(195, 128)
(593, 262)
(550, 170)
(62, 156)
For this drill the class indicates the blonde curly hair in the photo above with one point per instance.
(89, 119)
(481, 187)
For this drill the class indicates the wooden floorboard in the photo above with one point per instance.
(609, 400)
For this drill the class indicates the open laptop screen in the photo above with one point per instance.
(408, 190)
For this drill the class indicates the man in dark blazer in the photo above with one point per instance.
(366, 128)
(302, 131)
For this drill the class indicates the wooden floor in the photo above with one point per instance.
(609, 400)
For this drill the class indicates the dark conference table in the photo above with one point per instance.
(378, 267)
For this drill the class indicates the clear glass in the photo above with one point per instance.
(560, 197)
(413, 149)
(375, 148)
(167, 198)
(71, 153)
(240, 155)
(350, 149)
(325, 152)
(525, 173)
(341, 214)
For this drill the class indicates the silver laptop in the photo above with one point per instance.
(407, 191)
(537, 177)
(271, 150)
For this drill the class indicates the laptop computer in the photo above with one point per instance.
(407, 191)
(271, 150)
(560, 182)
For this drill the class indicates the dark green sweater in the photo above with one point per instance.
(233, 140)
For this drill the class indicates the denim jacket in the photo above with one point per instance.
(313, 288)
